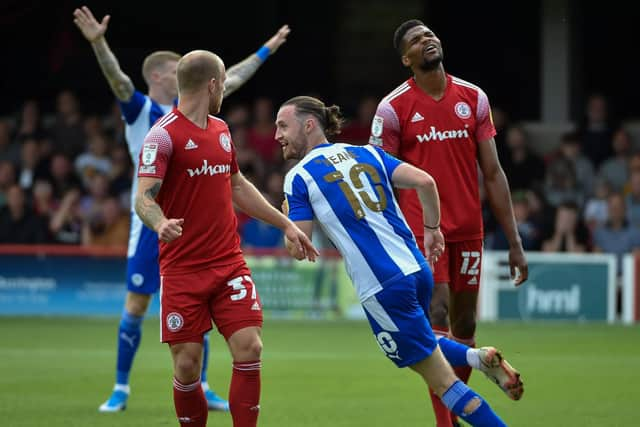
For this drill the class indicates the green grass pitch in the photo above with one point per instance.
(56, 372)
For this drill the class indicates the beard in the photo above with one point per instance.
(432, 63)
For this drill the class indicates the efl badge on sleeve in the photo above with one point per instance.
(377, 126)
(225, 142)
(149, 153)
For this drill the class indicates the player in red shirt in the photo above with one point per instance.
(443, 125)
(188, 183)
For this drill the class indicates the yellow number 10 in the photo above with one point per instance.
(354, 200)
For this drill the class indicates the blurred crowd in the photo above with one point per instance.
(65, 177)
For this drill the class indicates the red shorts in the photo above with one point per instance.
(189, 302)
(459, 266)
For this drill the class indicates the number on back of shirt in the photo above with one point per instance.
(362, 196)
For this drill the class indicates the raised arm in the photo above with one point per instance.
(250, 201)
(150, 212)
(92, 30)
(499, 196)
(238, 74)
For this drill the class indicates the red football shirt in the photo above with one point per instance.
(441, 138)
(196, 166)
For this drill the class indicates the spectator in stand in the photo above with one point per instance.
(120, 175)
(633, 199)
(561, 183)
(66, 222)
(273, 188)
(524, 168)
(7, 179)
(29, 161)
(62, 175)
(584, 171)
(261, 136)
(30, 121)
(114, 125)
(18, 223)
(97, 193)
(617, 236)
(68, 129)
(95, 159)
(596, 208)
(42, 199)
(9, 149)
(358, 130)
(93, 126)
(541, 213)
(634, 165)
(527, 229)
(107, 227)
(248, 159)
(615, 169)
(570, 234)
(596, 129)
(237, 116)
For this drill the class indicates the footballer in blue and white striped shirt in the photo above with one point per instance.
(349, 190)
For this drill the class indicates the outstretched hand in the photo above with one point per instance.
(278, 38)
(518, 266)
(91, 29)
(433, 245)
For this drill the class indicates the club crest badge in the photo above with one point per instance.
(463, 110)
(174, 321)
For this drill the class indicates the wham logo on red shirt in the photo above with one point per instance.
(207, 169)
(437, 135)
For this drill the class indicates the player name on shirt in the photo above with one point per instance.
(338, 158)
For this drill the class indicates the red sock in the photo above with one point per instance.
(244, 393)
(463, 372)
(441, 412)
(443, 417)
(190, 403)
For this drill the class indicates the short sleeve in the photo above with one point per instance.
(484, 128)
(234, 157)
(155, 154)
(385, 128)
(131, 108)
(297, 195)
(390, 162)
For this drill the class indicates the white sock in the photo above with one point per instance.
(122, 387)
(473, 358)
(205, 386)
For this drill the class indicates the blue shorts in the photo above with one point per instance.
(143, 271)
(398, 317)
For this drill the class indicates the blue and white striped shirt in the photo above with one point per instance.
(348, 190)
(139, 113)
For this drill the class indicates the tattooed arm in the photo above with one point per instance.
(238, 74)
(92, 30)
(150, 212)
